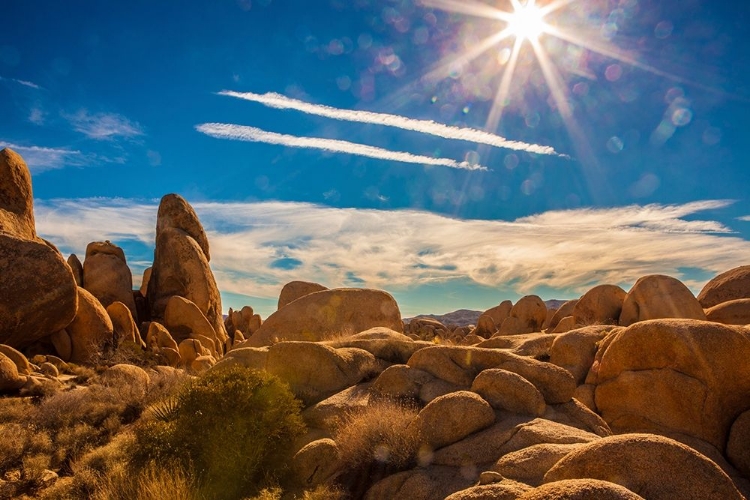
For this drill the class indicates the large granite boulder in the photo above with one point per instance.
(181, 265)
(329, 313)
(37, 289)
(730, 285)
(674, 376)
(296, 289)
(655, 467)
(600, 305)
(91, 329)
(106, 275)
(657, 296)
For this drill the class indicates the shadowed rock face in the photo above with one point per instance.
(37, 290)
(181, 264)
(106, 275)
(329, 313)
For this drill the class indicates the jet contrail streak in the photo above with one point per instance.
(252, 134)
(279, 101)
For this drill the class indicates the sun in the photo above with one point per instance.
(527, 21)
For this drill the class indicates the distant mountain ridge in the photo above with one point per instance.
(464, 317)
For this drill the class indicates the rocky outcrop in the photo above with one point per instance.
(37, 288)
(564, 311)
(106, 275)
(123, 324)
(600, 305)
(185, 320)
(505, 390)
(91, 329)
(730, 285)
(317, 371)
(526, 316)
(452, 417)
(296, 289)
(580, 489)
(657, 296)
(330, 313)
(500, 312)
(732, 312)
(656, 467)
(575, 350)
(77, 268)
(674, 376)
(181, 265)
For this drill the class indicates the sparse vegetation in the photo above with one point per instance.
(376, 442)
(233, 428)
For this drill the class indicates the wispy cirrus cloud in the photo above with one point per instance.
(25, 83)
(745, 218)
(268, 244)
(103, 126)
(252, 134)
(278, 101)
(39, 159)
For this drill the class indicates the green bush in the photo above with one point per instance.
(233, 428)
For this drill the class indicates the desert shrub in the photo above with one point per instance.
(233, 427)
(376, 442)
(160, 481)
(15, 409)
(13, 439)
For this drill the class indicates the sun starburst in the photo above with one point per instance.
(527, 21)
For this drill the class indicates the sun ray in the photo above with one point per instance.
(552, 7)
(468, 7)
(496, 112)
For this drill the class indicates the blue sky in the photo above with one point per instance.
(629, 119)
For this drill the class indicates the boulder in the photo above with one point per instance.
(401, 382)
(738, 444)
(190, 350)
(90, 330)
(732, 312)
(185, 320)
(428, 483)
(329, 313)
(123, 324)
(16, 198)
(107, 276)
(22, 364)
(564, 311)
(49, 370)
(144, 281)
(327, 414)
(541, 431)
(77, 268)
(655, 467)
(499, 490)
(382, 343)
(485, 327)
(500, 312)
(575, 350)
(577, 414)
(244, 320)
(132, 377)
(460, 366)
(580, 489)
(10, 380)
(566, 324)
(679, 376)
(600, 305)
(181, 264)
(296, 289)
(452, 417)
(730, 285)
(428, 328)
(529, 465)
(505, 390)
(526, 316)
(316, 462)
(37, 290)
(657, 296)
(317, 371)
(63, 345)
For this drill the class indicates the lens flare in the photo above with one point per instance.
(527, 21)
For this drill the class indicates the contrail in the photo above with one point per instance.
(278, 101)
(252, 134)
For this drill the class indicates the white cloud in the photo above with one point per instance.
(257, 247)
(39, 159)
(36, 116)
(252, 134)
(745, 218)
(279, 101)
(25, 83)
(103, 126)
